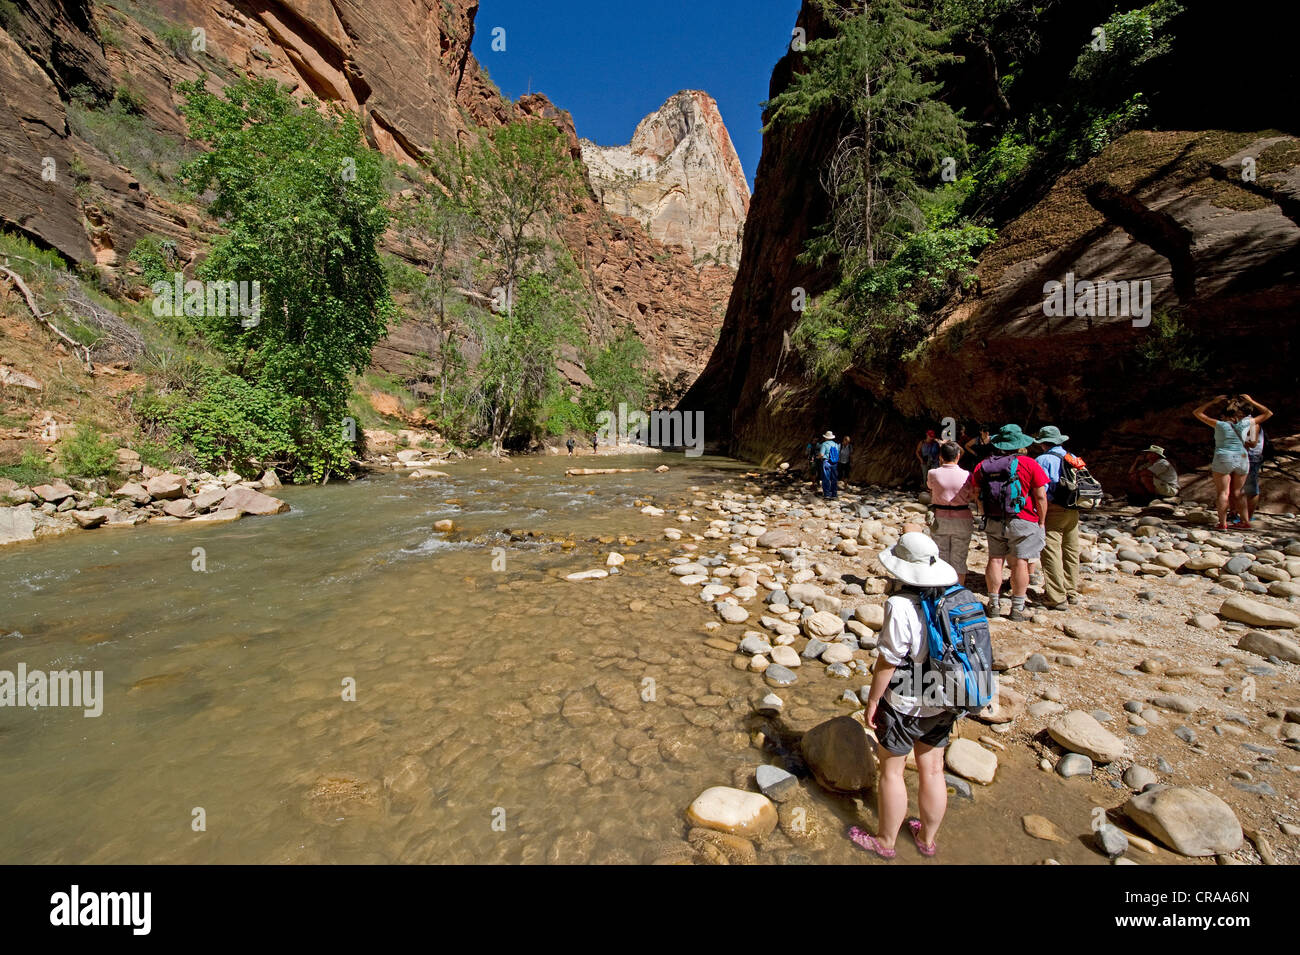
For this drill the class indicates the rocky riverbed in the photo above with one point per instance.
(1169, 696)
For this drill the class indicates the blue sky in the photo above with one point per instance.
(610, 62)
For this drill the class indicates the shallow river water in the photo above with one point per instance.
(500, 712)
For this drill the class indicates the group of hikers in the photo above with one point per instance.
(1029, 491)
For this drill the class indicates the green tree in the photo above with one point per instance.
(618, 374)
(439, 230)
(517, 376)
(878, 69)
(515, 183)
(302, 203)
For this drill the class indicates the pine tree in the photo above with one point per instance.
(877, 70)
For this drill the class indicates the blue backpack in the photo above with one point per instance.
(833, 453)
(959, 669)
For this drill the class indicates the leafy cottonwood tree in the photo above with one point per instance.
(513, 185)
(302, 204)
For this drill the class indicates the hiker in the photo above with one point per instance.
(595, 443)
(814, 468)
(828, 453)
(950, 496)
(571, 444)
(1230, 464)
(979, 447)
(907, 718)
(846, 453)
(1061, 546)
(1150, 476)
(1013, 494)
(1255, 455)
(927, 452)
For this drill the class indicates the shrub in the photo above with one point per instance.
(32, 468)
(88, 453)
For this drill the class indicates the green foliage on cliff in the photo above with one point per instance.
(915, 190)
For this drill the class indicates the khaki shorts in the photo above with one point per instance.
(1015, 538)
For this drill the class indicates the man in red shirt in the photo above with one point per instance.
(1013, 489)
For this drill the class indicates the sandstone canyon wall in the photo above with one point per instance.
(1166, 207)
(404, 66)
(680, 178)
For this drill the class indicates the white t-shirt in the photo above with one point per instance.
(903, 636)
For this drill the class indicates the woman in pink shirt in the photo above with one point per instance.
(950, 496)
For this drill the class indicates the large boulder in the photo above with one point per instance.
(969, 760)
(1190, 820)
(247, 501)
(1270, 645)
(839, 753)
(779, 538)
(17, 524)
(741, 813)
(128, 461)
(1007, 704)
(54, 492)
(1079, 732)
(133, 492)
(379, 441)
(166, 487)
(1254, 613)
(823, 625)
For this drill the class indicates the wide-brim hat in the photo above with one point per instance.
(1010, 438)
(1051, 435)
(829, 436)
(915, 560)
(1156, 449)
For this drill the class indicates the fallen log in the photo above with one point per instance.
(580, 472)
(37, 314)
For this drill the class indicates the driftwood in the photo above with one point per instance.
(579, 472)
(19, 284)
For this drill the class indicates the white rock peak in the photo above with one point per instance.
(680, 177)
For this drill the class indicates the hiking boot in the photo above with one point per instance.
(1018, 615)
(1073, 599)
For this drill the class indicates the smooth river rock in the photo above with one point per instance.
(840, 755)
(740, 813)
(1079, 732)
(1190, 820)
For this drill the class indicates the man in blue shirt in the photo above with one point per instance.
(1061, 551)
(828, 453)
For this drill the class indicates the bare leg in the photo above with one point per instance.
(933, 790)
(1221, 485)
(1019, 576)
(891, 797)
(1238, 499)
(993, 576)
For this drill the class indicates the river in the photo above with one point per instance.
(501, 714)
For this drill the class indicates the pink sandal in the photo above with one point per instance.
(867, 841)
(914, 825)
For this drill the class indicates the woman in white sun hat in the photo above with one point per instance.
(902, 723)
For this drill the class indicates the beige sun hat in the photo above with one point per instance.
(915, 560)
(829, 436)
